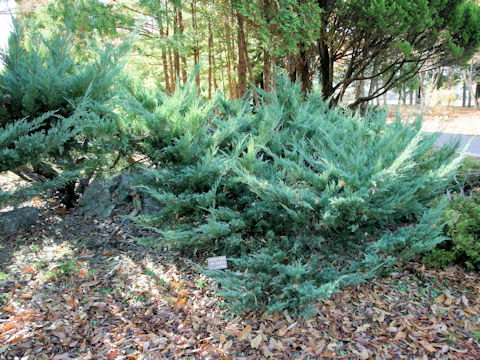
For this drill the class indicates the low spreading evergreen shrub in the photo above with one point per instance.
(54, 118)
(463, 230)
(301, 197)
(468, 176)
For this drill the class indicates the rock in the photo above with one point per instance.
(12, 221)
(125, 189)
(97, 200)
(102, 197)
(126, 193)
(150, 205)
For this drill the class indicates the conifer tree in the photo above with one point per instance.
(53, 108)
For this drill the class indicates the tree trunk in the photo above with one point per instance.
(181, 27)
(266, 70)
(229, 75)
(250, 70)
(326, 69)
(274, 79)
(172, 70)
(164, 60)
(223, 79)
(169, 52)
(242, 64)
(69, 196)
(214, 73)
(477, 95)
(196, 51)
(359, 91)
(303, 68)
(464, 94)
(473, 89)
(298, 66)
(371, 89)
(234, 71)
(176, 56)
(210, 44)
(229, 51)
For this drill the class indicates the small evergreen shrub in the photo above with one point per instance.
(302, 198)
(54, 118)
(468, 176)
(463, 230)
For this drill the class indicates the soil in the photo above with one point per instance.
(72, 287)
(452, 120)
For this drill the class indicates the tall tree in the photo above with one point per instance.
(242, 64)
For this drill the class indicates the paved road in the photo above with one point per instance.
(474, 147)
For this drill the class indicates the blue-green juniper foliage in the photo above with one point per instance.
(301, 197)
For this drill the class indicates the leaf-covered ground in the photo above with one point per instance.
(452, 120)
(74, 288)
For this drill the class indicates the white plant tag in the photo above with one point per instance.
(217, 263)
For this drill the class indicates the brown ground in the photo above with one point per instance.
(74, 288)
(454, 120)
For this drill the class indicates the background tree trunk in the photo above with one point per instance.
(210, 44)
(176, 56)
(196, 50)
(181, 27)
(164, 60)
(266, 70)
(242, 64)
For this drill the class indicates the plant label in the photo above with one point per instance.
(217, 263)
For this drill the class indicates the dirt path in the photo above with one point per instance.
(453, 120)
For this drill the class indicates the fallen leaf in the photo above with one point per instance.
(427, 346)
(257, 340)
(282, 331)
(266, 352)
(61, 356)
(279, 345)
(363, 353)
(227, 345)
(245, 332)
(399, 336)
(7, 327)
(363, 328)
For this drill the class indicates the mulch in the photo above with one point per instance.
(76, 288)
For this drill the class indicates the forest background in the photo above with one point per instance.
(384, 52)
